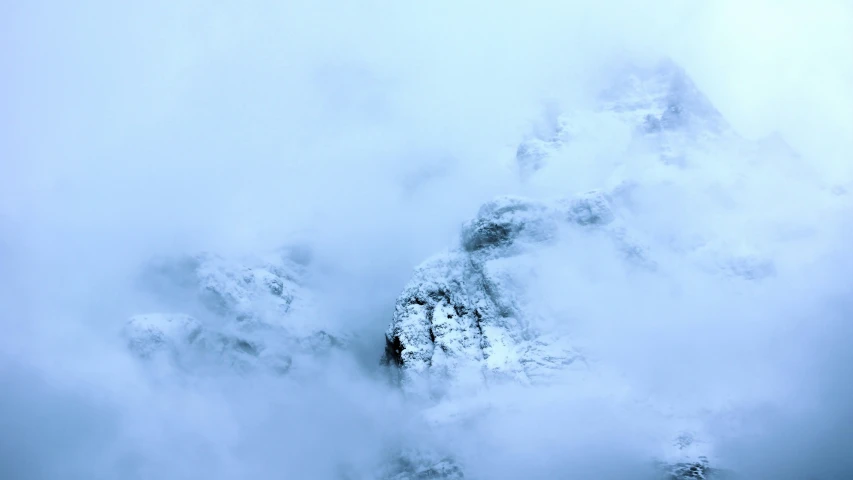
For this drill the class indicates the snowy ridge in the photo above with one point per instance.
(184, 342)
(248, 316)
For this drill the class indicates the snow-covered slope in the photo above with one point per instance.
(244, 316)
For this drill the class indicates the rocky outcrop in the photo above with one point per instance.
(184, 342)
(688, 460)
(242, 290)
(253, 315)
(699, 470)
(464, 320)
(417, 465)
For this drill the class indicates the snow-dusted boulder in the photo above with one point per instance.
(688, 459)
(245, 289)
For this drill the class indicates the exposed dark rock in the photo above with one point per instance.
(503, 220)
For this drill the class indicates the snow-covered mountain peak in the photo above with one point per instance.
(646, 109)
(661, 97)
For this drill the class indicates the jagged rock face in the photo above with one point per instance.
(226, 288)
(414, 465)
(688, 471)
(148, 335)
(251, 316)
(463, 320)
(184, 342)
